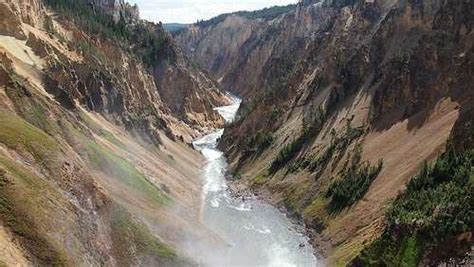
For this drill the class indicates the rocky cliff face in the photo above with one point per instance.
(94, 164)
(119, 9)
(342, 93)
(241, 52)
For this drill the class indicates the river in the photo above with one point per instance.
(258, 234)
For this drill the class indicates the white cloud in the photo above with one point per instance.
(188, 11)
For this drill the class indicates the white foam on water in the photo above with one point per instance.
(280, 257)
(228, 112)
(243, 207)
(215, 203)
(259, 234)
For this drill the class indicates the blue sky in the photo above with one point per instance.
(189, 11)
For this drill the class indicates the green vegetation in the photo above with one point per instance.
(352, 186)
(99, 130)
(89, 49)
(287, 153)
(150, 43)
(260, 179)
(88, 19)
(294, 194)
(48, 25)
(128, 233)
(30, 106)
(124, 171)
(265, 14)
(311, 129)
(319, 163)
(175, 28)
(338, 145)
(343, 3)
(317, 211)
(256, 144)
(410, 252)
(21, 194)
(437, 206)
(21, 136)
(356, 177)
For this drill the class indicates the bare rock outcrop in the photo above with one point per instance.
(118, 9)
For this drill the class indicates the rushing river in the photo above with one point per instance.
(258, 234)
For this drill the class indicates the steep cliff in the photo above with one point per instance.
(95, 113)
(119, 9)
(344, 101)
(236, 47)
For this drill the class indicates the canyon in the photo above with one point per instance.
(349, 144)
(344, 102)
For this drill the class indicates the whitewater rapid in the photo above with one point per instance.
(258, 234)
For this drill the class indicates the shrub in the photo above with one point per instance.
(340, 144)
(320, 163)
(287, 153)
(260, 142)
(353, 186)
(437, 206)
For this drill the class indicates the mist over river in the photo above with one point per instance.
(257, 233)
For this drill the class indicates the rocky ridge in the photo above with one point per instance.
(119, 9)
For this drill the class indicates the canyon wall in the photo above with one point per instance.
(96, 116)
(344, 101)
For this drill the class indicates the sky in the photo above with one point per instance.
(189, 11)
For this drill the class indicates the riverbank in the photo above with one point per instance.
(239, 189)
(256, 232)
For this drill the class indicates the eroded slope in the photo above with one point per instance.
(344, 102)
(94, 164)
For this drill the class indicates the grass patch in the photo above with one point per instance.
(294, 194)
(97, 129)
(19, 135)
(22, 210)
(316, 214)
(111, 138)
(31, 107)
(122, 170)
(132, 238)
(316, 208)
(260, 179)
(409, 252)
